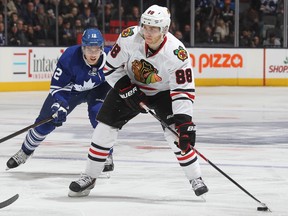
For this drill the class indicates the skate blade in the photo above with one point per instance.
(105, 175)
(78, 194)
(203, 197)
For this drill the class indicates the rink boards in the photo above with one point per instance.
(31, 68)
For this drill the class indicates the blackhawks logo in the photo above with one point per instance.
(181, 53)
(145, 72)
(127, 32)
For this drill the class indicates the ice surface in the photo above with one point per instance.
(243, 130)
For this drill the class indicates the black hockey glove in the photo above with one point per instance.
(187, 136)
(133, 96)
(59, 113)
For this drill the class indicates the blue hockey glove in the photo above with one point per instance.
(133, 96)
(59, 113)
(187, 136)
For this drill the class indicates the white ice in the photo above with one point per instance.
(242, 130)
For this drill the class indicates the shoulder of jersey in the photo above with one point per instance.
(131, 33)
(107, 49)
(72, 50)
(71, 54)
(176, 49)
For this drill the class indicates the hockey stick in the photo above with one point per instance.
(26, 128)
(263, 208)
(9, 201)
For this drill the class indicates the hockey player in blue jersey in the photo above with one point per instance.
(78, 78)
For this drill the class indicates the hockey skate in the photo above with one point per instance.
(82, 187)
(16, 160)
(198, 186)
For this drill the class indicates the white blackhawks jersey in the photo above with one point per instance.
(169, 68)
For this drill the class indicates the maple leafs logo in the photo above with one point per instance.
(87, 85)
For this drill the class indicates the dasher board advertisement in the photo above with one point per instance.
(227, 66)
(28, 64)
(27, 69)
(31, 68)
(276, 67)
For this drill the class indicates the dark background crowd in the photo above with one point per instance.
(260, 22)
(59, 23)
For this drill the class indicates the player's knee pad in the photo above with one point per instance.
(93, 111)
(104, 135)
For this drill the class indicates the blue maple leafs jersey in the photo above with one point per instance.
(73, 74)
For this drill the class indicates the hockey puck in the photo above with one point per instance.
(262, 208)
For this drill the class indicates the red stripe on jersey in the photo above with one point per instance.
(180, 158)
(98, 153)
(146, 88)
(191, 96)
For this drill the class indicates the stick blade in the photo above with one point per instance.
(9, 201)
(263, 208)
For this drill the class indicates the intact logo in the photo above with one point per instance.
(145, 72)
(127, 32)
(181, 53)
(35, 63)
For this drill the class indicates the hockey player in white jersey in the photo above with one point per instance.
(147, 64)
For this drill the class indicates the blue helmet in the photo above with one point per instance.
(92, 37)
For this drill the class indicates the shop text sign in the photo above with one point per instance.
(276, 63)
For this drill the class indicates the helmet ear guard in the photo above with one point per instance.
(157, 16)
(92, 37)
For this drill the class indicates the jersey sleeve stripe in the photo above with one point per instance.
(176, 95)
(146, 88)
(55, 89)
(183, 99)
(107, 73)
(110, 66)
(108, 69)
(183, 90)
